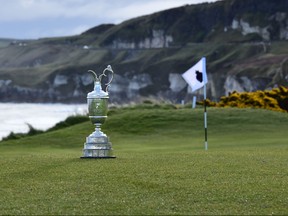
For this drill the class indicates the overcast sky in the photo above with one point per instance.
(32, 19)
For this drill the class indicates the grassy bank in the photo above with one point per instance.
(161, 166)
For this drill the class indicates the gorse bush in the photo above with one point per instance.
(275, 99)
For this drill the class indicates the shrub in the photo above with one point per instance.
(275, 99)
(72, 120)
(32, 131)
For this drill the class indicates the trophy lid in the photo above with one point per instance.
(97, 92)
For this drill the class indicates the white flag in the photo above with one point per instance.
(196, 76)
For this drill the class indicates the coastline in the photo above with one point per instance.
(14, 117)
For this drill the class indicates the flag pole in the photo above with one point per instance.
(205, 110)
(205, 118)
(196, 77)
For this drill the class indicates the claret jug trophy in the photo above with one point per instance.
(97, 143)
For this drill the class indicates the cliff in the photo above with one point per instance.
(244, 41)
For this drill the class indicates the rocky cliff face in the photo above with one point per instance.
(279, 19)
(158, 40)
(245, 44)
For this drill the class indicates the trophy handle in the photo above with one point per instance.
(108, 68)
(95, 76)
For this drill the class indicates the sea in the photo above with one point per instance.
(15, 117)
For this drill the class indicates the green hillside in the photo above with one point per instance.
(161, 165)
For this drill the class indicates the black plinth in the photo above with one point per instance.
(110, 157)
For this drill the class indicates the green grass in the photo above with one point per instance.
(161, 166)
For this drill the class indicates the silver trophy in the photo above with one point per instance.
(97, 143)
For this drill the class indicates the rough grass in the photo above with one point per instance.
(161, 166)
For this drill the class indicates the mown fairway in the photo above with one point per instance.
(161, 166)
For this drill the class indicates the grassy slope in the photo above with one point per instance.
(161, 166)
(69, 59)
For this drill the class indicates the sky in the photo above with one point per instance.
(33, 19)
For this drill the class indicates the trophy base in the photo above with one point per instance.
(97, 150)
(97, 146)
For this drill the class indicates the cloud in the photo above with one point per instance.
(27, 3)
(47, 18)
(100, 9)
(56, 32)
(31, 9)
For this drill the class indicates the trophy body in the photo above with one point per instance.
(97, 144)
